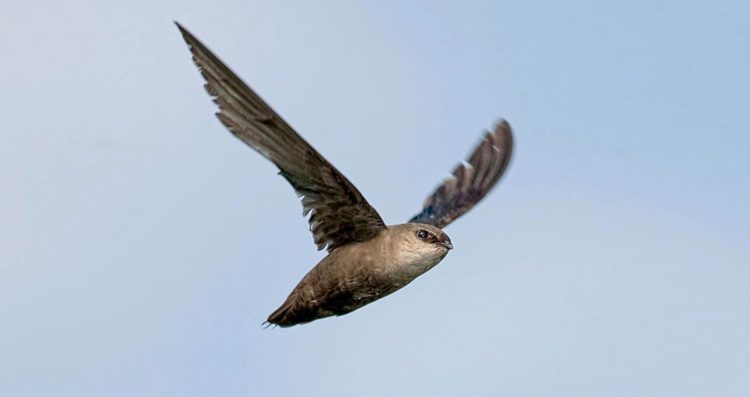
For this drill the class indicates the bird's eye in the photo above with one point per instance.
(423, 234)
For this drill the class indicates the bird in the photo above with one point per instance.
(366, 259)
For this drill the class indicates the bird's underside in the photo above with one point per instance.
(356, 274)
(366, 260)
(329, 289)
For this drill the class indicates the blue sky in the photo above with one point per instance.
(142, 245)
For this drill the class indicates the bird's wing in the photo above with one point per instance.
(339, 214)
(470, 181)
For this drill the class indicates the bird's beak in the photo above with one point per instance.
(447, 244)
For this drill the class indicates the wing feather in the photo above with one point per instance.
(339, 214)
(470, 181)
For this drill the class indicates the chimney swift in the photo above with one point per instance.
(367, 259)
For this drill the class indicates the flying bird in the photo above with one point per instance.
(367, 259)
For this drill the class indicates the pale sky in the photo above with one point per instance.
(142, 245)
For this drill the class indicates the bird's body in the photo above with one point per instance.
(356, 274)
(366, 259)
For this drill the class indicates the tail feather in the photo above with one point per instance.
(287, 315)
(280, 316)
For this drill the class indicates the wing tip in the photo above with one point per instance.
(189, 38)
(502, 137)
(503, 129)
(186, 35)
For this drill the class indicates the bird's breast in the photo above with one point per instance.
(407, 266)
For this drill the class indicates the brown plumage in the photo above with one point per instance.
(366, 259)
(469, 182)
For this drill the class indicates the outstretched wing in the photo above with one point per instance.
(469, 182)
(339, 214)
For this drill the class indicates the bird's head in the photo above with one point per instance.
(423, 241)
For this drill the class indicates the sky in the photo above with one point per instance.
(142, 245)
